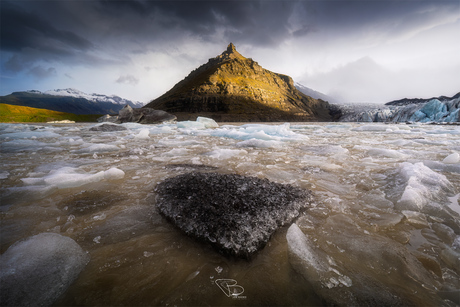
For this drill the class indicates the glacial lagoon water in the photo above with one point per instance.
(384, 227)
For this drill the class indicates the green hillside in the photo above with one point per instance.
(16, 114)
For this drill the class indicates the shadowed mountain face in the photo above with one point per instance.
(231, 87)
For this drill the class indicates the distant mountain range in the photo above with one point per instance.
(70, 101)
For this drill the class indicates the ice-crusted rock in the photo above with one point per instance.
(235, 214)
(143, 116)
(36, 271)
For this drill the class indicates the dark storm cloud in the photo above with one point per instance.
(62, 28)
(23, 29)
(388, 17)
(256, 22)
(103, 36)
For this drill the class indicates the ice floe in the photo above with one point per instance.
(70, 177)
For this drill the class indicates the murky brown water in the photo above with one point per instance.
(138, 258)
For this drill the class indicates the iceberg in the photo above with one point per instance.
(39, 269)
(260, 132)
(423, 186)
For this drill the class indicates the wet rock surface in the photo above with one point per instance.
(235, 214)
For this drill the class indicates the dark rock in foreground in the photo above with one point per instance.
(235, 214)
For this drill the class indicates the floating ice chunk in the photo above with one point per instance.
(452, 158)
(36, 271)
(114, 174)
(443, 131)
(360, 266)
(376, 128)
(176, 152)
(423, 185)
(97, 148)
(191, 125)
(39, 134)
(313, 261)
(415, 218)
(4, 174)
(336, 126)
(387, 153)
(451, 257)
(223, 154)
(22, 145)
(327, 149)
(259, 143)
(261, 132)
(70, 177)
(143, 134)
(162, 129)
(208, 122)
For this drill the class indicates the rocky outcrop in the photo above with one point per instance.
(231, 87)
(138, 115)
(235, 214)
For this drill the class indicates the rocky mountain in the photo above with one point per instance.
(441, 110)
(70, 101)
(231, 87)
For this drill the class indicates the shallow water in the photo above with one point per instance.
(377, 187)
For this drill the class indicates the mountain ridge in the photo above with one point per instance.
(69, 100)
(231, 87)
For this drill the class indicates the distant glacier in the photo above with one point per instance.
(438, 110)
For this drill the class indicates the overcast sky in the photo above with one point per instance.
(357, 51)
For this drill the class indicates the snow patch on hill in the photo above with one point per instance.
(71, 92)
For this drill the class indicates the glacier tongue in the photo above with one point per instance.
(435, 110)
